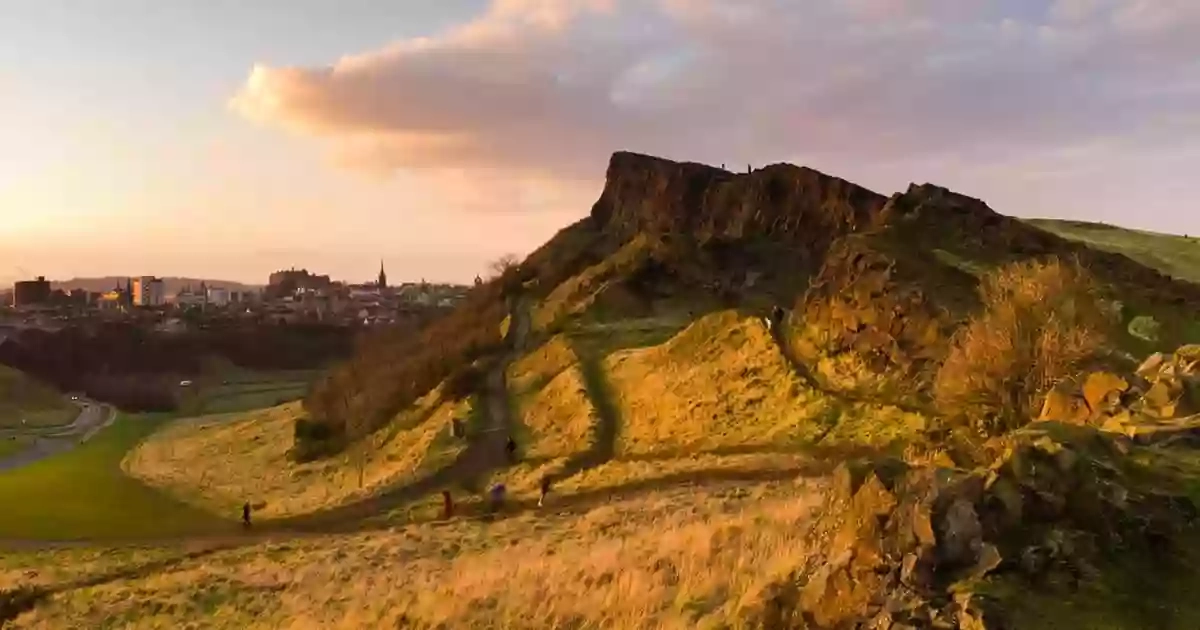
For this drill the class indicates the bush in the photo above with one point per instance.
(1041, 322)
(312, 440)
(465, 382)
(393, 368)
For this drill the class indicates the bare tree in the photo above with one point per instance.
(355, 421)
(503, 265)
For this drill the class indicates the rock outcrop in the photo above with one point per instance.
(906, 547)
(876, 319)
(1159, 401)
(780, 202)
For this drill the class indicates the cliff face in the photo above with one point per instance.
(781, 202)
(807, 212)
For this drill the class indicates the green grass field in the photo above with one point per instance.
(84, 494)
(10, 445)
(1174, 255)
(235, 398)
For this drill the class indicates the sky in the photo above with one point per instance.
(227, 139)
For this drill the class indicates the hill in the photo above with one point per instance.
(23, 397)
(772, 399)
(1175, 255)
(171, 284)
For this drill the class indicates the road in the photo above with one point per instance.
(92, 417)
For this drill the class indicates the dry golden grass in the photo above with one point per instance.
(219, 462)
(691, 558)
(1041, 323)
(559, 418)
(722, 382)
(537, 368)
(579, 293)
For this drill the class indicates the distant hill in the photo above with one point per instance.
(1175, 255)
(172, 285)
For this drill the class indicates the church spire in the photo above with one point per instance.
(382, 275)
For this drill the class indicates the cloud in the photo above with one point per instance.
(547, 89)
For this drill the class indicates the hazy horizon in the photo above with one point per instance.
(228, 140)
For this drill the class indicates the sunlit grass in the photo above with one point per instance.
(689, 558)
(219, 462)
(83, 493)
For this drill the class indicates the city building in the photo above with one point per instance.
(31, 292)
(218, 296)
(148, 291)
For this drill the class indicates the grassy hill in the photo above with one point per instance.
(25, 398)
(711, 458)
(1172, 254)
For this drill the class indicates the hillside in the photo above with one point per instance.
(24, 398)
(774, 399)
(1175, 255)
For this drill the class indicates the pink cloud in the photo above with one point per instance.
(545, 90)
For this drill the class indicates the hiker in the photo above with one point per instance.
(777, 314)
(447, 504)
(545, 490)
(246, 515)
(511, 447)
(497, 497)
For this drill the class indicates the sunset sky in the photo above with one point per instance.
(229, 138)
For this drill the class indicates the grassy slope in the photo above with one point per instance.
(716, 397)
(685, 558)
(84, 493)
(1176, 256)
(24, 397)
(220, 461)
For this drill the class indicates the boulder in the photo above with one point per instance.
(905, 547)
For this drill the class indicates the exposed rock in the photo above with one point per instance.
(781, 201)
(905, 547)
(867, 323)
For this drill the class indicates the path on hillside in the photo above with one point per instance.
(485, 451)
(92, 417)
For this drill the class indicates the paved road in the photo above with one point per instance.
(92, 417)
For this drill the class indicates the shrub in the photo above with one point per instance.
(464, 382)
(312, 440)
(1041, 322)
(391, 369)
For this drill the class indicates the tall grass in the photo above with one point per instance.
(1041, 322)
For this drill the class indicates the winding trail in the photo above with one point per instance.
(484, 453)
(93, 417)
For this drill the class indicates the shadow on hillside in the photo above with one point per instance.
(832, 453)
(588, 499)
(608, 419)
(14, 602)
(813, 380)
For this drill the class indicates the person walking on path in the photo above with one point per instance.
(497, 497)
(447, 504)
(545, 490)
(246, 515)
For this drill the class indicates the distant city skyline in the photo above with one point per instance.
(229, 139)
